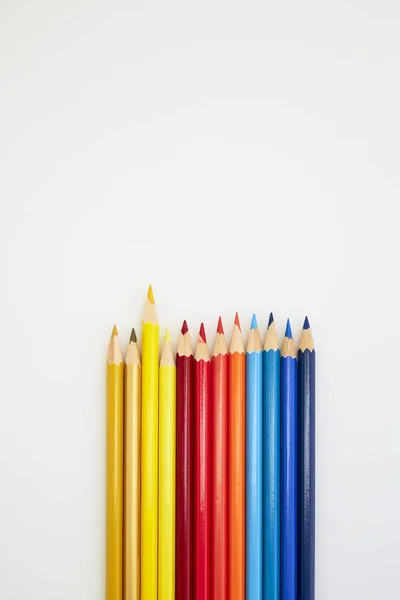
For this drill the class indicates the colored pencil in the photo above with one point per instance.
(237, 467)
(184, 466)
(166, 474)
(114, 470)
(254, 484)
(219, 466)
(202, 479)
(289, 468)
(306, 503)
(149, 466)
(271, 500)
(132, 441)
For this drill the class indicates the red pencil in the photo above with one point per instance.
(184, 467)
(202, 479)
(219, 467)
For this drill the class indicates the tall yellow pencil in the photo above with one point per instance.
(166, 476)
(132, 441)
(114, 470)
(149, 470)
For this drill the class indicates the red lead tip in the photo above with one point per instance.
(220, 328)
(185, 328)
(237, 322)
(202, 333)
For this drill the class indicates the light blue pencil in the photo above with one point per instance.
(271, 458)
(254, 426)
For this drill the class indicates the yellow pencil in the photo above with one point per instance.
(114, 473)
(149, 467)
(166, 476)
(133, 426)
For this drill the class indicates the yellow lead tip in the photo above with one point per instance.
(167, 336)
(150, 294)
(114, 332)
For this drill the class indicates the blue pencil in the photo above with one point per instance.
(254, 465)
(289, 468)
(271, 499)
(306, 491)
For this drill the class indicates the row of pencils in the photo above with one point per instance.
(210, 466)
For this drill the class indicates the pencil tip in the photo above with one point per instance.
(185, 328)
(237, 322)
(253, 322)
(202, 333)
(114, 332)
(167, 336)
(150, 295)
(288, 332)
(220, 328)
(271, 319)
(306, 323)
(133, 337)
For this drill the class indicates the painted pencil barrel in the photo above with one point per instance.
(132, 441)
(254, 475)
(219, 475)
(289, 478)
(184, 478)
(271, 500)
(166, 534)
(237, 470)
(306, 542)
(149, 462)
(114, 477)
(202, 480)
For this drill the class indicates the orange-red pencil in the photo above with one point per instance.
(219, 467)
(237, 464)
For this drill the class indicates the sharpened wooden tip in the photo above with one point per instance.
(237, 322)
(202, 333)
(150, 294)
(220, 328)
(185, 328)
(288, 331)
(133, 337)
(167, 356)
(114, 355)
(306, 338)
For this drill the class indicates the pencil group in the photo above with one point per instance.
(210, 474)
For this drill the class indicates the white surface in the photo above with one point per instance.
(136, 132)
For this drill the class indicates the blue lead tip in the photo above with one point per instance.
(288, 332)
(253, 322)
(306, 324)
(271, 319)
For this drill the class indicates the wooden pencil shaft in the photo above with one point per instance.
(166, 477)
(202, 479)
(237, 470)
(254, 473)
(132, 445)
(289, 459)
(184, 477)
(306, 498)
(114, 481)
(219, 472)
(149, 461)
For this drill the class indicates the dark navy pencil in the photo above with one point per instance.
(306, 488)
(289, 451)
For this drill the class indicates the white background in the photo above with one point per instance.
(239, 155)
